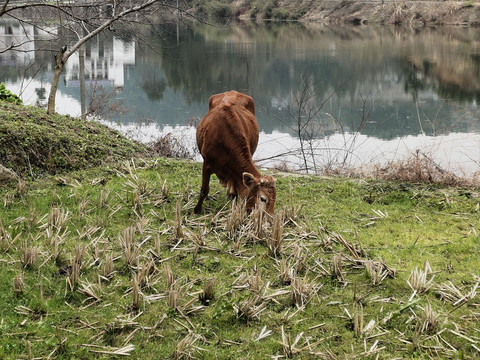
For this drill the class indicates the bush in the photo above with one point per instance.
(269, 9)
(280, 14)
(254, 12)
(8, 96)
(222, 12)
(200, 11)
(172, 147)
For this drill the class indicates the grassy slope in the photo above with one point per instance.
(397, 225)
(33, 143)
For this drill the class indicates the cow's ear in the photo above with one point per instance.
(248, 179)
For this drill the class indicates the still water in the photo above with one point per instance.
(347, 96)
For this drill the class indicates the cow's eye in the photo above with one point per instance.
(263, 199)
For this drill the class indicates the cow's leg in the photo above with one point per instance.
(206, 173)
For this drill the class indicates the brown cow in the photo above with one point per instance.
(227, 138)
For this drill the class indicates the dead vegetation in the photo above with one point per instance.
(172, 146)
(418, 168)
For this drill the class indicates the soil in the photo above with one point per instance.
(411, 13)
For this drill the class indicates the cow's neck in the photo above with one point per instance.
(250, 168)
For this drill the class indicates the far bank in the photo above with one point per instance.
(409, 13)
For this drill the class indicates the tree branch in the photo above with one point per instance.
(105, 25)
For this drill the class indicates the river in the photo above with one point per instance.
(326, 97)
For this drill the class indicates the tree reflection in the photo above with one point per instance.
(413, 81)
(267, 61)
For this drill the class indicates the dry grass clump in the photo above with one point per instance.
(337, 272)
(236, 217)
(178, 222)
(257, 222)
(250, 280)
(57, 218)
(18, 283)
(378, 271)
(76, 264)
(56, 240)
(21, 187)
(4, 237)
(130, 250)
(418, 168)
(135, 292)
(186, 348)
(28, 255)
(91, 291)
(421, 281)
(107, 268)
(358, 321)
(429, 320)
(291, 348)
(250, 308)
(275, 240)
(172, 147)
(303, 290)
(286, 271)
(451, 293)
(207, 294)
(292, 211)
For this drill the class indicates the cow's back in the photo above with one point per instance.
(228, 134)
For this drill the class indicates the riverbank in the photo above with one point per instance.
(410, 13)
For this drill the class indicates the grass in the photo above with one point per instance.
(110, 261)
(34, 144)
(105, 259)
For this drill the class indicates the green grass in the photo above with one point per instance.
(345, 315)
(102, 257)
(34, 144)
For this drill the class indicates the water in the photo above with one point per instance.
(370, 94)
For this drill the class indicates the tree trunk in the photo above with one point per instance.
(63, 54)
(81, 63)
(59, 63)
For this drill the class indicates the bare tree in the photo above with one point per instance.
(85, 18)
(312, 125)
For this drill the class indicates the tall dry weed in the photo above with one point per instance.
(417, 168)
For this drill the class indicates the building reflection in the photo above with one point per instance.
(105, 60)
(26, 57)
(12, 35)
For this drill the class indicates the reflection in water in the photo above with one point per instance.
(376, 85)
(458, 152)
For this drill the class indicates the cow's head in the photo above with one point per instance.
(261, 192)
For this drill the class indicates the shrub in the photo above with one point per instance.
(269, 9)
(254, 12)
(172, 147)
(200, 11)
(280, 14)
(221, 12)
(8, 96)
